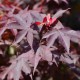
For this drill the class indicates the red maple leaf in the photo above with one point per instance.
(47, 21)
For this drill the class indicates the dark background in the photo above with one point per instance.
(72, 20)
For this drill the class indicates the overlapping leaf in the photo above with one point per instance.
(43, 52)
(64, 36)
(19, 64)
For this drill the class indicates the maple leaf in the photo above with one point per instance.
(48, 20)
(37, 17)
(37, 6)
(14, 25)
(21, 21)
(23, 33)
(64, 36)
(41, 54)
(69, 58)
(19, 64)
(21, 24)
(59, 13)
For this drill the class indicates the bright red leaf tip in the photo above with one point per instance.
(37, 23)
(47, 20)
